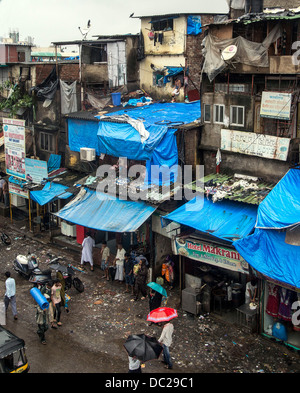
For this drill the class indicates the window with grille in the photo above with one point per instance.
(47, 142)
(219, 111)
(207, 114)
(237, 115)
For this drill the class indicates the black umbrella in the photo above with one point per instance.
(143, 347)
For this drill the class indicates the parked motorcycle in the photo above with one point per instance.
(68, 274)
(27, 267)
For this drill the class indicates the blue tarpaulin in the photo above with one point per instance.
(267, 252)
(50, 192)
(281, 207)
(172, 71)
(103, 212)
(123, 140)
(194, 26)
(226, 220)
(82, 133)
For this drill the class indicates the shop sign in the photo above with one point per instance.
(276, 105)
(220, 256)
(14, 141)
(36, 170)
(17, 190)
(250, 143)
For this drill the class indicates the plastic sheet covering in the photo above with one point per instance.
(50, 193)
(83, 133)
(68, 97)
(103, 212)
(47, 89)
(248, 52)
(160, 148)
(226, 220)
(267, 252)
(194, 26)
(281, 207)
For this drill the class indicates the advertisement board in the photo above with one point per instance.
(36, 170)
(250, 143)
(220, 256)
(14, 145)
(276, 105)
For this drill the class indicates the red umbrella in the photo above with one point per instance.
(162, 314)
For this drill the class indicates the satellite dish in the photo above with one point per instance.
(229, 52)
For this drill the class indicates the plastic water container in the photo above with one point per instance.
(116, 98)
(39, 298)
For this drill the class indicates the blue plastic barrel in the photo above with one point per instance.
(39, 298)
(116, 98)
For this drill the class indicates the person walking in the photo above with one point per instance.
(10, 294)
(105, 254)
(56, 302)
(87, 250)
(128, 269)
(134, 365)
(46, 291)
(166, 340)
(119, 263)
(42, 319)
(155, 299)
(140, 280)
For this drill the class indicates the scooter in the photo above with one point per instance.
(28, 268)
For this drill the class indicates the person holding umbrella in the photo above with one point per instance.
(141, 347)
(164, 314)
(157, 292)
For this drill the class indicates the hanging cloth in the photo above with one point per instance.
(68, 97)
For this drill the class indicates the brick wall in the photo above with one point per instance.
(194, 53)
(67, 72)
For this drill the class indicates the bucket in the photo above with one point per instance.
(116, 98)
(39, 298)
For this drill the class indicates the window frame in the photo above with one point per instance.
(214, 114)
(49, 137)
(204, 113)
(237, 107)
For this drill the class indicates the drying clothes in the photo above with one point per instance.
(273, 300)
(68, 97)
(284, 311)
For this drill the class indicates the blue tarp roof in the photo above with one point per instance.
(103, 212)
(50, 193)
(226, 220)
(123, 140)
(281, 207)
(267, 252)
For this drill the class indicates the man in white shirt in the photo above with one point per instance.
(87, 250)
(10, 294)
(119, 263)
(166, 340)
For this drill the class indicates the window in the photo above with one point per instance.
(47, 142)
(219, 113)
(162, 24)
(206, 111)
(237, 114)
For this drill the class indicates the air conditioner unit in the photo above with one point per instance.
(87, 154)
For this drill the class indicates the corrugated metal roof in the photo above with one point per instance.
(222, 186)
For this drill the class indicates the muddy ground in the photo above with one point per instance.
(100, 319)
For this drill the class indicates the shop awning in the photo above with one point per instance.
(225, 219)
(281, 208)
(50, 193)
(267, 252)
(103, 212)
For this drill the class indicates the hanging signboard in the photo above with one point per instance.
(14, 144)
(276, 105)
(250, 143)
(220, 256)
(17, 190)
(36, 170)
